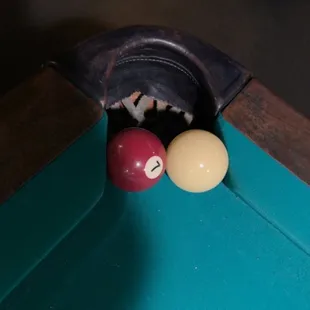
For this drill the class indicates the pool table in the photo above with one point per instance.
(71, 240)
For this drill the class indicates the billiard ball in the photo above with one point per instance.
(136, 159)
(197, 161)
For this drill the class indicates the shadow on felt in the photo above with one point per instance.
(100, 265)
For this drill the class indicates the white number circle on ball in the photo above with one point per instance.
(153, 167)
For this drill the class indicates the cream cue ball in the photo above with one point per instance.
(197, 161)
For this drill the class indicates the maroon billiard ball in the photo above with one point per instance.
(136, 159)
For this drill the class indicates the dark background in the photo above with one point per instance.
(271, 38)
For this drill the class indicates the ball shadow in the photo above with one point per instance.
(166, 125)
(229, 179)
(118, 120)
(99, 265)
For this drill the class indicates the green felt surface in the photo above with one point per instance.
(42, 212)
(236, 247)
(272, 190)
